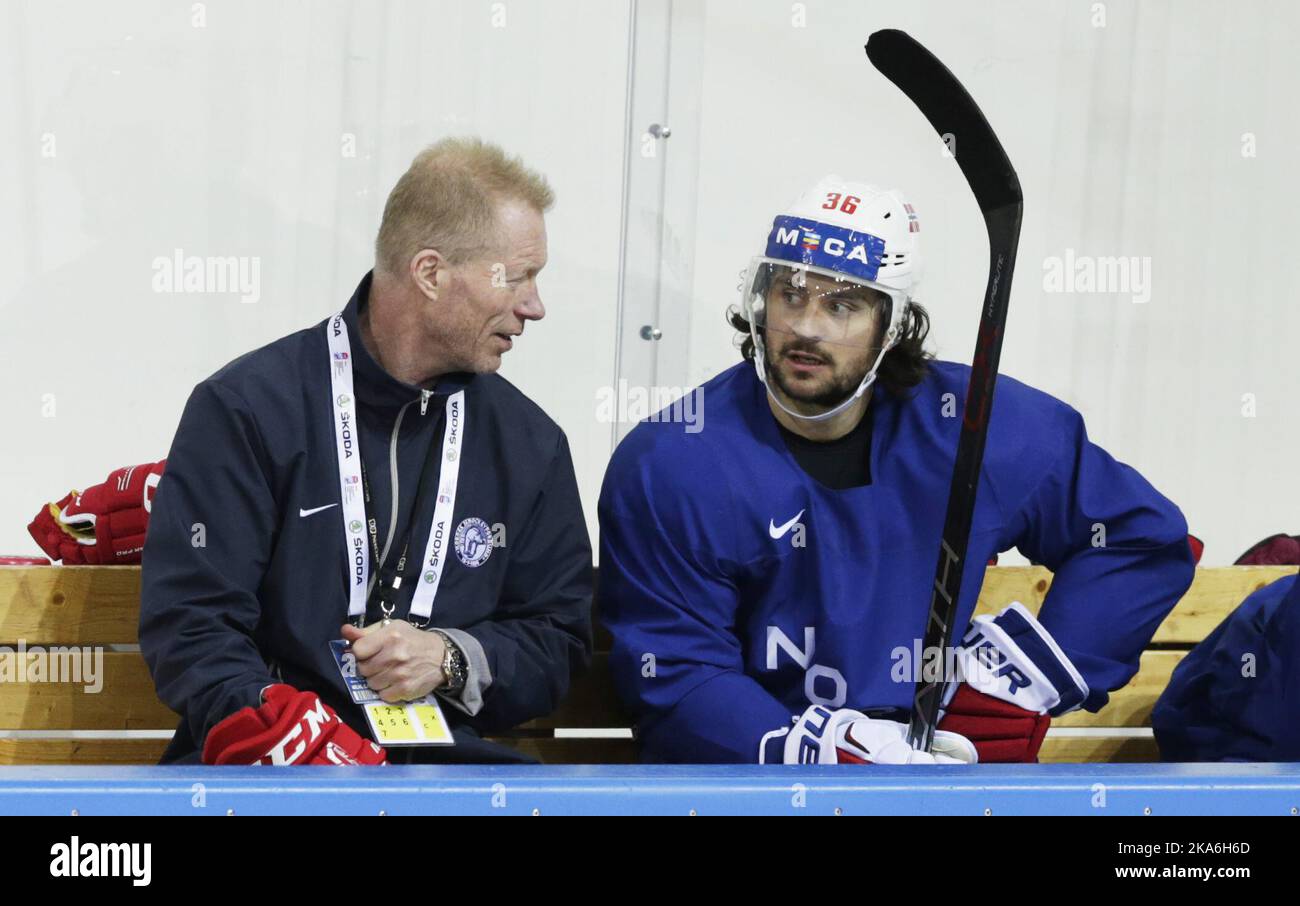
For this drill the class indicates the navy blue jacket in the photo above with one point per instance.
(1236, 696)
(241, 589)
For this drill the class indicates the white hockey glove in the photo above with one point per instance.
(823, 736)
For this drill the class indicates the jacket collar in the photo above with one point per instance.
(375, 387)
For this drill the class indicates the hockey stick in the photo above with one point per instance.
(956, 117)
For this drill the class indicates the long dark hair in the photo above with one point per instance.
(903, 367)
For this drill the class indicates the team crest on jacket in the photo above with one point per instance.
(473, 541)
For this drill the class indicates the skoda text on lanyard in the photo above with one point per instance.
(348, 439)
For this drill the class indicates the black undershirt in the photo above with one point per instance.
(837, 464)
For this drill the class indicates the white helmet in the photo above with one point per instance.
(851, 233)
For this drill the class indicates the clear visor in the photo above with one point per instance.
(815, 304)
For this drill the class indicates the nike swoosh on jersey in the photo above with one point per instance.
(302, 512)
(778, 532)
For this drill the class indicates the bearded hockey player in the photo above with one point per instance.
(767, 579)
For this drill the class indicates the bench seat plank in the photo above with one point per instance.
(126, 701)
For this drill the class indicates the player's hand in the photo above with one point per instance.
(1012, 678)
(105, 524)
(399, 662)
(290, 727)
(823, 736)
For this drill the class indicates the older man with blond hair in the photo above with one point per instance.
(368, 547)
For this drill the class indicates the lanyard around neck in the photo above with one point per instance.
(348, 445)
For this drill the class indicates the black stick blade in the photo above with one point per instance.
(951, 111)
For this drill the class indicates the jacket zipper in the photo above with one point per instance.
(394, 483)
(393, 492)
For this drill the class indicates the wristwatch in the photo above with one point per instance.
(454, 671)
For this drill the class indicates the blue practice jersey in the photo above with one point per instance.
(739, 590)
(1237, 695)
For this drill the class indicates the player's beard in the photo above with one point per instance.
(847, 367)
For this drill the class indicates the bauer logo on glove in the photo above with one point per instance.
(1012, 678)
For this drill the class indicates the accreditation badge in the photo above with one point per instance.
(414, 723)
(346, 661)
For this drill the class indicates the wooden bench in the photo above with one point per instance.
(124, 723)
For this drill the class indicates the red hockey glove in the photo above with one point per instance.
(1001, 731)
(1012, 679)
(291, 727)
(106, 524)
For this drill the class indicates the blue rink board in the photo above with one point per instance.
(1074, 789)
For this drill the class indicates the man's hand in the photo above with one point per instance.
(399, 662)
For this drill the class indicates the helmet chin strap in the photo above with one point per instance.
(830, 413)
(760, 360)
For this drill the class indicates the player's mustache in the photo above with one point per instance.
(804, 349)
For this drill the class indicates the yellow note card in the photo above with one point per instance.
(417, 723)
